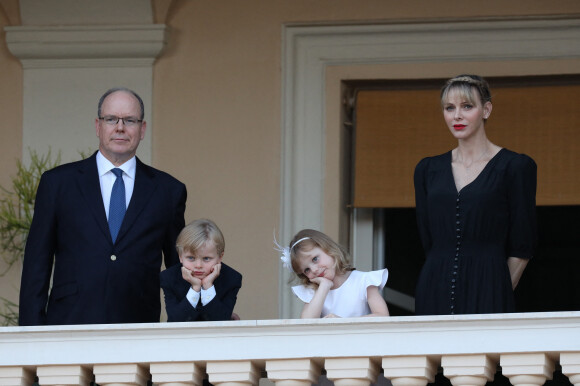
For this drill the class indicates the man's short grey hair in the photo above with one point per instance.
(115, 89)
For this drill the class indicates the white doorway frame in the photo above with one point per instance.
(546, 46)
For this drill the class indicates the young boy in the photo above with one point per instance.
(201, 288)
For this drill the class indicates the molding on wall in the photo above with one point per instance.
(86, 46)
(309, 50)
(85, 12)
(67, 68)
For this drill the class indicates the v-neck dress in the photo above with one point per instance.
(468, 235)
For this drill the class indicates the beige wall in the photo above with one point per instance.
(217, 111)
(217, 89)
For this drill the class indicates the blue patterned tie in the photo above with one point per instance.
(117, 205)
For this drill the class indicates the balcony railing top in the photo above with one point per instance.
(551, 333)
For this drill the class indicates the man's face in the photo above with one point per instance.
(118, 142)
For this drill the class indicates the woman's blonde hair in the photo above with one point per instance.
(307, 239)
(465, 85)
(197, 233)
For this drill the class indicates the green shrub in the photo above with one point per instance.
(16, 210)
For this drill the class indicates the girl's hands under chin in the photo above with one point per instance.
(322, 282)
(331, 316)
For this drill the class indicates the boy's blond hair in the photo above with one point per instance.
(197, 233)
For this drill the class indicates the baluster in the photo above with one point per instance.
(351, 371)
(527, 369)
(410, 370)
(293, 372)
(233, 373)
(64, 375)
(177, 373)
(570, 363)
(120, 374)
(16, 376)
(469, 370)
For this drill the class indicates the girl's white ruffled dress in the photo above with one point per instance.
(350, 299)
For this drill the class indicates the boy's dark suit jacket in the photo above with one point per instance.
(221, 307)
(96, 281)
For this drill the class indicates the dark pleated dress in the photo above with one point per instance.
(468, 235)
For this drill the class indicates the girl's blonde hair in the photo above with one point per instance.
(312, 239)
(197, 233)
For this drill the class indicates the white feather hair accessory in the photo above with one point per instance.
(285, 251)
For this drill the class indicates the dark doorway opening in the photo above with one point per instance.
(551, 281)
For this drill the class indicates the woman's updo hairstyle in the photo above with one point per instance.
(465, 85)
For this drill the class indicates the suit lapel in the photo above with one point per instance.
(90, 188)
(184, 286)
(145, 185)
(223, 282)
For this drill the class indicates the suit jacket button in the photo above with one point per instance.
(113, 257)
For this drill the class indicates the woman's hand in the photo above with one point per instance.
(516, 266)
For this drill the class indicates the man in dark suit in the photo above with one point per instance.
(102, 224)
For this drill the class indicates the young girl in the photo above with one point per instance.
(331, 287)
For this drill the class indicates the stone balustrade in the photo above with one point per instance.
(408, 351)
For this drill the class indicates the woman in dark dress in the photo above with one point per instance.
(475, 212)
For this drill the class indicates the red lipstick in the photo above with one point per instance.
(458, 127)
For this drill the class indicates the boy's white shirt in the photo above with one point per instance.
(206, 295)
